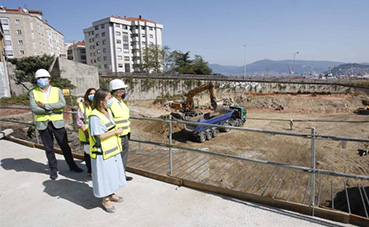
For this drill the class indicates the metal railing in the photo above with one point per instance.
(313, 136)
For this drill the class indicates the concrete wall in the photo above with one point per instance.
(149, 88)
(81, 75)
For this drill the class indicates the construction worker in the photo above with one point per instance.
(105, 145)
(83, 111)
(120, 112)
(291, 124)
(47, 104)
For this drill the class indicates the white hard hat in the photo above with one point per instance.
(116, 84)
(42, 73)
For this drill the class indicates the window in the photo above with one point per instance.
(19, 32)
(97, 43)
(8, 43)
(125, 46)
(98, 51)
(127, 68)
(143, 27)
(17, 21)
(104, 50)
(119, 57)
(144, 43)
(4, 21)
(97, 36)
(20, 42)
(151, 28)
(126, 58)
(120, 65)
(21, 52)
(151, 36)
(125, 27)
(103, 26)
(119, 49)
(119, 41)
(105, 58)
(6, 32)
(143, 36)
(103, 34)
(103, 42)
(106, 66)
(117, 33)
(117, 25)
(96, 27)
(98, 58)
(9, 52)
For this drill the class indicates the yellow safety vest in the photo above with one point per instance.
(86, 112)
(120, 114)
(39, 96)
(110, 146)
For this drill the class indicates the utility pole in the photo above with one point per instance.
(294, 56)
(244, 60)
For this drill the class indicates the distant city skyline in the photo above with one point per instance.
(332, 30)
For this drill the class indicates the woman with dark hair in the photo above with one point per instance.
(83, 111)
(105, 146)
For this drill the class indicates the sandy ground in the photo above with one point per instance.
(329, 115)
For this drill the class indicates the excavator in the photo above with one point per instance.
(365, 110)
(188, 107)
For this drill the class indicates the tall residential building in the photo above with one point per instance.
(76, 52)
(26, 34)
(116, 44)
(4, 78)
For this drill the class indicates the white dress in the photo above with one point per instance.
(107, 175)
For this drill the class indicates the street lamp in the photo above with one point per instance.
(244, 61)
(294, 56)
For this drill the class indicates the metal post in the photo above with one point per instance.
(170, 149)
(313, 168)
(36, 131)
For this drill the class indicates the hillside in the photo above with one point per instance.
(268, 67)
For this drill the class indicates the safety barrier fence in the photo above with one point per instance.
(312, 170)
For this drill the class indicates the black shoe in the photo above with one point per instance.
(76, 169)
(53, 174)
(129, 178)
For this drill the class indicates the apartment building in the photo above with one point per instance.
(4, 78)
(116, 44)
(26, 34)
(76, 52)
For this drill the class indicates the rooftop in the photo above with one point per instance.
(29, 197)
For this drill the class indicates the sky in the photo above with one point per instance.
(230, 32)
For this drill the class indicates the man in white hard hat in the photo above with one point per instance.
(47, 103)
(120, 112)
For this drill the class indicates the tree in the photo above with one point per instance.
(199, 66)
(27, 66)
(153, 57)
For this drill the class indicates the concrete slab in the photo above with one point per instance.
(29, 198)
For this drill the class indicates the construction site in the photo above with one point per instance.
(273, 148)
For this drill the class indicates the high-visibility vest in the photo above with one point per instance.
(55, 115)
(86, 112)
(120, 114)
(109, 146)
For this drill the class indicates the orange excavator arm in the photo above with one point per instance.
(197, 90)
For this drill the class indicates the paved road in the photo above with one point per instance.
(29, 198)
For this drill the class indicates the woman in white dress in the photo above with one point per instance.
(107, 167)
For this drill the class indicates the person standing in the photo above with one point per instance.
(47, 103)
(120, 112)
(83, 111)
(105, 146)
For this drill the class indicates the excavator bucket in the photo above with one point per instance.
(217, 105)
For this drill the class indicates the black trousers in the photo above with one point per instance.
(125, 146)
(88, 162)
(47, 137)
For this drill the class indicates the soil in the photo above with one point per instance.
(328, 114)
